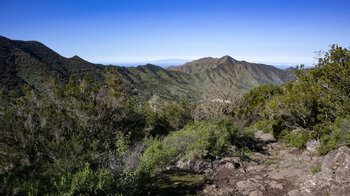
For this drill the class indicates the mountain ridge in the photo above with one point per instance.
(32, 63)
(209, 63)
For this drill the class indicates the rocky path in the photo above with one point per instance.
(279, 170)
(272, 170)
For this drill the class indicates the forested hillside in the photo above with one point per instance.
(32, 63)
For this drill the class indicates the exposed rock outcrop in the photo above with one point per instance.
(280, 170)
(276, 170)
(333, 179)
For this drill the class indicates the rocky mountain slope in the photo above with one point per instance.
(227, 61)
(227, 77)
(200, 64)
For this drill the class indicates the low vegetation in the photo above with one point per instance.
(316, 168)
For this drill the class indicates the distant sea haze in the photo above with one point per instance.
(164, 65)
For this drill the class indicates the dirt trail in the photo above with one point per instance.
(273, 171)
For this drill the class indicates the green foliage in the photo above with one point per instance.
(308, 107)
(188, 143)
(243, 153)
(121, 143)
(32, 63)
(253, 103)
(48, 138)
(156, 124)
(51, 135)
(162, 117)
(84, 182)
(258, 96)
(296, 138)
(316, 168)
(156, 157)
(341, 130)
(337, 135)
(270, 162)
(224, 133)
(177, 114)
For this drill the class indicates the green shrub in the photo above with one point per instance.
(270, 162)
(253, 103)
(188, 143)
(163, 117)
(341, 130)
(336, 135)
(49, 136)
(223, 133)
(33, 185)
(297, 138)
(313, 104)
(85, 181)
(316, 168)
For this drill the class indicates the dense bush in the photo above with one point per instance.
(83, 138)
(307, 108)
(252, 104)
(85, 181)
(189, 143)
(51, 136)
(337, 135)
(163, 117)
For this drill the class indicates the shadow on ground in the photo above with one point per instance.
(179, 182)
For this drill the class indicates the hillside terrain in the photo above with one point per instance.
(30, 62)
(70, 127)
(227, 75)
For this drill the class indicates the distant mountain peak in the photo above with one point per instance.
(77, 58)
(203, 64)
(227, 59)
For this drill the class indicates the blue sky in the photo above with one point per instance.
(284, 32)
